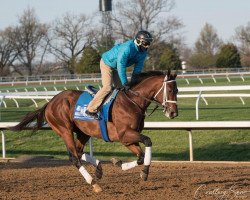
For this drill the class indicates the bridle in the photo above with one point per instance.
(165, 96)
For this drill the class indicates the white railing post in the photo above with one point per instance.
(3, 144)
(200, 79)
(1, 100)
(213, 79)
(191, 152)
(34, 102)
(17, 105)
(242, 78)
(242, 101)
(197, 105)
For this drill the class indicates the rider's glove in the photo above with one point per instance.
(125, 87)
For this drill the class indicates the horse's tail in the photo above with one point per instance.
(38, 115)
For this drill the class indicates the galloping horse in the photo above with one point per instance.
(125, 125)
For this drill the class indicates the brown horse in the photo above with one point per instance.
(125, 125)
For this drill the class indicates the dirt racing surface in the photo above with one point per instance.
(47, 178)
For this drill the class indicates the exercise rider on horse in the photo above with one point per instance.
(113, 67)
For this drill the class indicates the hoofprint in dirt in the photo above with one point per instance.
(58, 179)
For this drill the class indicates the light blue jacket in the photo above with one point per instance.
(124, 55)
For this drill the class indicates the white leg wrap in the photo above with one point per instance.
(90, 159)
(148, 155)
(129, 165)
(86, 175)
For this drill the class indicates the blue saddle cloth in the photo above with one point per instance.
(103, 114)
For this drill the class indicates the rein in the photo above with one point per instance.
(147, 99)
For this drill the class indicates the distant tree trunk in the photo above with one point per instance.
(8, 51)
(29, 35)
(242, 35)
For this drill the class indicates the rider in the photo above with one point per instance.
(113, 67)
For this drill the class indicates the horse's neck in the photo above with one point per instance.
(147, 89)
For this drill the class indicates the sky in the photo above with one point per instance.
(223, 15)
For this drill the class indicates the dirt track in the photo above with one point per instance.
(55, 179)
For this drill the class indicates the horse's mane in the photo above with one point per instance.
(142, 76)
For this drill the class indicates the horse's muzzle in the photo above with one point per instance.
(171, 113)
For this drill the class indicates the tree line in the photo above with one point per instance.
(74, 43)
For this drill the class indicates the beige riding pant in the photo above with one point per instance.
(109, 77)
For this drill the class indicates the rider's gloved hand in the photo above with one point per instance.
(126, 87)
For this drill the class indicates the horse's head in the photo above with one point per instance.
(160, 88)
(167, 95)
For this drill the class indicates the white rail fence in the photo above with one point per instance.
(188, 126)
(203, 96)
(214, 76)
(66, 79)
(47, 95)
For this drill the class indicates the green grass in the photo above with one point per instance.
(167, 145)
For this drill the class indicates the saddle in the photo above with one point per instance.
(103, 115)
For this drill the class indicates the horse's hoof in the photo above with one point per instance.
(97, 188)
(144, 176)
(98, 171)
(116, 162)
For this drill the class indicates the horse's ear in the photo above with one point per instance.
(175, 73)
(169, 73)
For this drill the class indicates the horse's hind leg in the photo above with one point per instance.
(98, 167)
(67, 136)
(80, 143)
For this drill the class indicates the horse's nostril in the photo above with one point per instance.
(174, 114)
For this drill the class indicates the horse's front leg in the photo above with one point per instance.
(131, 137)
(148, 156)
(136, 149)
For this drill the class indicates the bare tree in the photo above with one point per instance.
(70, 36)
(206, 47)
(208, 41)
(8, 52)
(133, 15)
(242, 35)
(29, 37)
